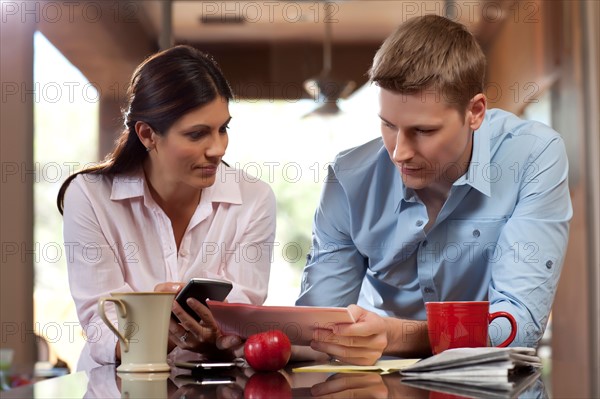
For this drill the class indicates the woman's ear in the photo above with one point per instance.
(476, 111)
(145, 134)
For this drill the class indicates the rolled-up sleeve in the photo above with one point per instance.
(528, 258)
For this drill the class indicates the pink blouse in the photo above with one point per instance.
(118, 239)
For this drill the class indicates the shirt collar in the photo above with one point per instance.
(225, 189)
(128, 185)
(480, 171)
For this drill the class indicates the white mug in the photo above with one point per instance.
(143, 329)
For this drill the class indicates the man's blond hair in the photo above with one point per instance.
(431, 54)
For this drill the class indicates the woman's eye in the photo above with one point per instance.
(224, 129)
(196, 135)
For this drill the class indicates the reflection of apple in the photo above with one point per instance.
(267, 386)
(18, 381)
(268, 351)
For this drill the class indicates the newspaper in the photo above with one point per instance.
(472, 372)
(488, 359)
(494, 371)
(517, 384)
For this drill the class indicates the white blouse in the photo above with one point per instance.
(118, 239)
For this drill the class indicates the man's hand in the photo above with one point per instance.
(360, 343)
(372, 336)
(366, 385)
(359, 385)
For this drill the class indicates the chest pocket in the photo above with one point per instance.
(479, 237)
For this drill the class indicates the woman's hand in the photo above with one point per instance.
(203, 336)
(361, 343)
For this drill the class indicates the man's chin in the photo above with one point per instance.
(414, 183)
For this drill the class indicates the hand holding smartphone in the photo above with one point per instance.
(202, 289)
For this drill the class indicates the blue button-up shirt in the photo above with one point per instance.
(500, 236)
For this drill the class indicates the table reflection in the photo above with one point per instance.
(104, 382)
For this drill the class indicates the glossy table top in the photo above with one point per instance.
(105, 382)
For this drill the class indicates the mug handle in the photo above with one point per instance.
(122, 310)
(513, 327)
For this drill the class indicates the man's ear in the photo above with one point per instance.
(476, 111)
(145, 134)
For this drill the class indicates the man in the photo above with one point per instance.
(452, 203)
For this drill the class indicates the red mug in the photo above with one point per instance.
(462, 325)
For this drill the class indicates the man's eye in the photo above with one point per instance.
(424, 131)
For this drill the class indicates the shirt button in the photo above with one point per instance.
(476, 233)
(182, 253)
(419, 223)
(549, 264)
(428, 290)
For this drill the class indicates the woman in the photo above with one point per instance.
(163, 207)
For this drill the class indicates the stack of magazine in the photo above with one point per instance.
(488, 372)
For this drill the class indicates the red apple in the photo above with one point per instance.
(268, 351)
(268, 385)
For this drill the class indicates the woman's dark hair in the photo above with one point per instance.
(162, 89)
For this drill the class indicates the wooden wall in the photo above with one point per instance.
(538, 52)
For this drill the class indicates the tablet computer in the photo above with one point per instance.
(297, 322)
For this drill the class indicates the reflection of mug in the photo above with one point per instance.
(143, 328)
(144, 385)
(462, 325)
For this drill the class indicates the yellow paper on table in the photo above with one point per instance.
(383, 366)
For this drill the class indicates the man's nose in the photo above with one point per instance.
(404, 148)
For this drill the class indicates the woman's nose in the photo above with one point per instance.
(218, 146)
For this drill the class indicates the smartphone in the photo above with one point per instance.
(205, 365)
(205, 380)
(202, 289)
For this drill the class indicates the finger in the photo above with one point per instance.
(181, 314)
(172, 341)
(176, 334)
(231, 391)
(339, 383)
(188, 322)
(376, 392)
(238, 351)
(360, 356)
(357, 312)
(168, 287)
(228, 341)
(204, 313)
(374, 342)
(175, 328)
(367, 323)
(203, 331)
(363, 328)
(328, 336)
